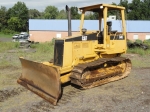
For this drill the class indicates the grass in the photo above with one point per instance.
(139, 51)
(4, 46)
(140, 63)
(9, 76)
(6, 35)
(44, 52)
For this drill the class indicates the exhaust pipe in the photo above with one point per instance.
(69, 20)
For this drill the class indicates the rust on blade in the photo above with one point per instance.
(41, 79)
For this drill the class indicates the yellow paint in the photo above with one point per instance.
(67, 57)
(76, 52)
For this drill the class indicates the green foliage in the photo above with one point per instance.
(4, 46)
(124, 3)
(8, 32)
(145, 9)
(15, 19)
(18, 17)
(74, 13)
(34, 14)
(43, 47)
(3, 20)
(14, 23)
(139, 51)
(135, 10)
(44, 51)
(129, 41)
(139, 10)
(138, 41)
(147, 42)
(51, 12)
(5, 35)
(62, 15)
(53, 41)
(91, 16)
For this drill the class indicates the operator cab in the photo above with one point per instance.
(105, 30)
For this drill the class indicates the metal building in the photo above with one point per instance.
(45, 30)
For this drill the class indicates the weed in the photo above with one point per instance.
(147, 42)
(139, 51)
(138, 41)
(44, 51)
(8, 46)
(6, 35)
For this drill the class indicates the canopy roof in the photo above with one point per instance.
(98, 7)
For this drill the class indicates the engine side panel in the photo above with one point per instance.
(58, 52)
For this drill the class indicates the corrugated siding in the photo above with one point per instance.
(62, 25)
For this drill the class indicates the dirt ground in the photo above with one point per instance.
(3, 39)
(131, 94)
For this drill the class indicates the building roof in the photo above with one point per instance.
(62, 25)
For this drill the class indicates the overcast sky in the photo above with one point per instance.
(60, 4)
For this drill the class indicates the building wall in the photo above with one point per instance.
(46, 36)
(140, 36)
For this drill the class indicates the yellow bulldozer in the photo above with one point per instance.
(87, 60)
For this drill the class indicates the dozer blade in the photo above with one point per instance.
(41, 79)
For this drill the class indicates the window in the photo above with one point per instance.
(147, 37)
(58, 35)
(135, 37)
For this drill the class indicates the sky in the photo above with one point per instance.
(60, 4)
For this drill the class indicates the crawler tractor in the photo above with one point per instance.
(90, 59)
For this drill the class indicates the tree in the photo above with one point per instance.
(18, 12)
(14, 24)
(34, 14)
(62, 15)
(88, 16)
(3, 20)
(135, 12)
(145, 5)
(125, 4)
(74, 13)
(95, 15)
(51, 12)
(116, 13)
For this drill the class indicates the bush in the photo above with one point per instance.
(147, 42)
(138, 41)
(129, 41)
(53, 41)
(7, 31)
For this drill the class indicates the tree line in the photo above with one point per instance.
(15, 19)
